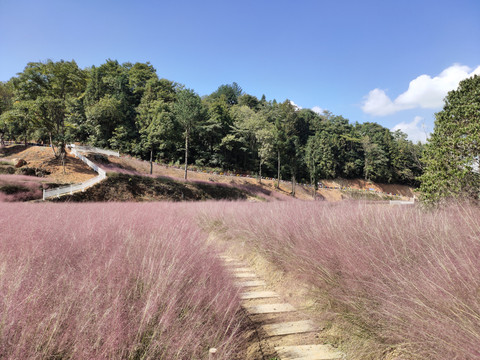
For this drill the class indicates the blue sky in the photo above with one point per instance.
(386, 61)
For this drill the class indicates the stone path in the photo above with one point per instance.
(280, 322)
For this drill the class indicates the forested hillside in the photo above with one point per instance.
(127, 107)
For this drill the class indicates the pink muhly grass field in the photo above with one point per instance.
(408, 278)
(27, 188)
(97, 281)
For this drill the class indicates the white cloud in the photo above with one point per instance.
(318, 110)
(295, 105)
(415, 130)
(423, 92)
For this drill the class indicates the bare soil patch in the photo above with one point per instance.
(43, 158)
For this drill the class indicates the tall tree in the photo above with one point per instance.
(453, 150)
(265, 138)
(189, 112)
(155, 119)
(6, 102)
(51, 85)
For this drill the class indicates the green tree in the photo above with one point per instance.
(266, 139)
(20, 119)
(51, 85)
(320, 158)
(453, 150)
(155, 120)
(189, 112)
(215, 146)
(110, 101)
(6, 103)
(230, 92)
(406, 159)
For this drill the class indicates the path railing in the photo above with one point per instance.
(70, 189)
(93, 149)
(402, 202)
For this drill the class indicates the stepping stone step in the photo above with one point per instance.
(233, 264)
(226, 258)
(245, 275)
(269, 308)
(243, 269)
(287, 328)
(308, 352)
(258, 295)
(229, 261)
(251, 283)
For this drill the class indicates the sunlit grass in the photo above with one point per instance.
(402, 278)
(111, 281)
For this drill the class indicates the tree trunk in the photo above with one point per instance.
(63, 155)
(2, 140)
(293, 185)
(151, 161)
(26, 142)
(51, 145)
(278, 170)
(314, 182)
(260, 173)
(186, 153)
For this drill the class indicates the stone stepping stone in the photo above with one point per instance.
(258, 295)
(308, 352)
(245, 275)
(287, 328)
(233, 264)
(243, 269)
(269, 308)
(229, 260)
(251, 283)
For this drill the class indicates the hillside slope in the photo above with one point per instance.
(333, 190)
(141, 186)
(126, 187)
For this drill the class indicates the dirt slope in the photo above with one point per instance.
(43, 158)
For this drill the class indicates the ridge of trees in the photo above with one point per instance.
(127, 107)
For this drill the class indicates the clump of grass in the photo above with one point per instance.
(98, 281)
(12, 189)
(406, 280)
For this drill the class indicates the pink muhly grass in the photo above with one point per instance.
(408, 278)
(86, 281)
(22, 188)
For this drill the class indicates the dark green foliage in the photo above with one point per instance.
(128, 108)
(453, 151)
(230, 94)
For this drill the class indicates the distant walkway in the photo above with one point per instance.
(70, 189)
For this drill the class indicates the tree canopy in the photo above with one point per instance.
(127, 107)
(453, 151)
